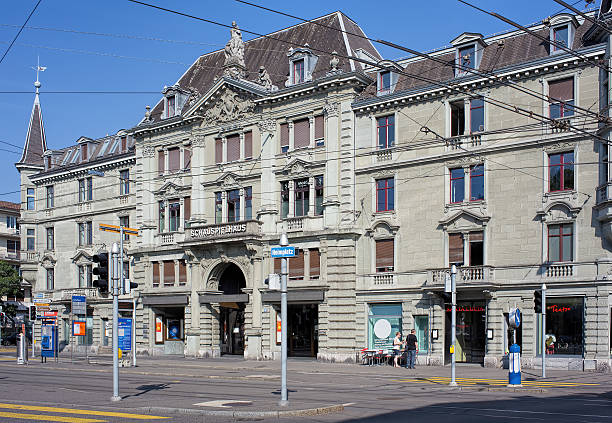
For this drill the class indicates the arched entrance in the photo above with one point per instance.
(231, 314)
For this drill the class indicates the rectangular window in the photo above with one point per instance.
(218, 150)
(476, 182)
(50, 280)
(284, 137)
(174, 159)
(284, 199)
(162, 216)
(125, 222)
(89, 227)
(50, 239)
(218, 207)
(385, 194)
(318, 195)
(301, 133)
(560, 38)
(174, 210)
(302, 197)
(124, 182)
(83, 152)
(187, 159)
(391, 317)
(11, 222)
(560, 242)
(315, 263)
(384, 255)
(82, 281)
(476, 248)
(248, 145)
(477, 115)
(457, 123)
(561, 97)
(457, 185)
(169, 272)
(296, 265)
(182, 272)
(85, 233)
(233, 148)
(156, 274)
(319, 130)
(187, 210)
(455, 249)
(89, 275)
(233, 205)
(467, 58)
(298, 71)
(123, 143)
(31, 240)
(31, 199)
(384, 82)
(170, 106)
(85, 188)
(248, 203)
(161, 162)
(50, 197)
(385, 127)
(12, 248)
(564, 326)
(561, 172)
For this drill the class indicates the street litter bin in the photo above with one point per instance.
(22, 349)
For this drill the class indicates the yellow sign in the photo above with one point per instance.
(115, 228)
(120, 353)
(452, 349)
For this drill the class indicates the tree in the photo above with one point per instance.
(10, 286)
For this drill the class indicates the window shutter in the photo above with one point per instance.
(182, 271)
(187, 158)
(187, 210)
(384, 254)
(248, 145)
(476, 236)
(319, 127)
(455, 248)
(296, 265)
(174, 159)
(218, 150)
(233, 148)
(161, 162)
(315, 263)
(562, 89)
(277, 265)
(284, 135)
(168, 272)
(155, 273)
(301, 133)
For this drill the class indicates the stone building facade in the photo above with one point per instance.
(491, 154)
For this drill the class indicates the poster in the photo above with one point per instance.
(382, 331)
(159, 334)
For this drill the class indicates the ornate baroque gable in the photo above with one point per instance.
(227, 106)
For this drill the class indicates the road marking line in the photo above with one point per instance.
(80, 411)
(221, 403)
(45, 418)
(545, 382)
(495, 382)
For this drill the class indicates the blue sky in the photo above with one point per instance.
(127, 58)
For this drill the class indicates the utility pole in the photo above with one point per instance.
(543, 330)
(453, 322)
(116, 275)
(284, 242)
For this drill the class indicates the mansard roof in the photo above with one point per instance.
(270, 51)
(35, 143)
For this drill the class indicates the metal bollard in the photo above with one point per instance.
(22, 349)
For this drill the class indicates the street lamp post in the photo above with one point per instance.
(453, 322)
(116, 272)
(284, 242)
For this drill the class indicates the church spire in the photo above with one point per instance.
(35, 143)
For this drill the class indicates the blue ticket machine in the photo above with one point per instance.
(48, 341)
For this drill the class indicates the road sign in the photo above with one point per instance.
(79, 304)
(124, 333)
(514, 318)
(40, 300)
(115, 228)
(278, 252)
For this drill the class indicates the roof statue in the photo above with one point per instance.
(264, 80)
(234, 54)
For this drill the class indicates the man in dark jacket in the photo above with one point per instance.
(411, 349)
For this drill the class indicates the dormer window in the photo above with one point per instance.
(83, 152)
(560, 36)
(562, 30)
(174, 99)
(298, 71)
(170, 106)
(302, 63)
(468, 53)
(467, 58)
(384, 82)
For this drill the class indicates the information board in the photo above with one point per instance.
(79, 305)
(124, 333)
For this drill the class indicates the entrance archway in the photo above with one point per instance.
(231, 314)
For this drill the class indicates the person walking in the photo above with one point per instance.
(397, 345)
(411, 349)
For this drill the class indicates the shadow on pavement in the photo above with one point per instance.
(144, 389)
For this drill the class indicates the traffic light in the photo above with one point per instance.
(538, 301)
(32, 313)
(446, 296)
(101, 271)
(128, 286)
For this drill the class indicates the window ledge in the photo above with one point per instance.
(561, 195)
(389, 213)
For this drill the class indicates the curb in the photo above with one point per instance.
(248, 414)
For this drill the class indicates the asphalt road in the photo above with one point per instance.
(167, 389)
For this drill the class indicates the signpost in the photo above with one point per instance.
(453, 323)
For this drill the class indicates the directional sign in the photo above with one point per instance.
(514, 318)
(41, 300)
(79, 304)
(117, 229)
(277, 252)
(124, 333)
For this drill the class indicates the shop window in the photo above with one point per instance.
(302, 197)
(233, 205)
(319, 130)
(248, 203)
(31, 199)
(455, 249)
(174, 159)
(174, 211)
(174, 330)
(218, 150)
(385, 129)
(457, 185)
(315, 263)
(182, 272)
(564, 326)
(385, 252)
(156, 274)
(284, 199)
(124, 182)
(284, 137)
(50, 239)
(301, 133)
(162, 217)
(169, 273)
(384, 320)
(421, 326)
(30, 240)
(477, 179)
(248, 145)
(560, 242)
(318, 195)
(561, 172)
(233, 148)
(50, 279)
(218, 207)
(561, 97)
(296, 265)
(50, 197)
(385, 195)
(161, 162)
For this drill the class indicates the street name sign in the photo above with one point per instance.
(278, 252)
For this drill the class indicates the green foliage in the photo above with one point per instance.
(10, 285)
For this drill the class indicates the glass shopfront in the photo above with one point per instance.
(384, 320)
(564, 326)
(421, 326)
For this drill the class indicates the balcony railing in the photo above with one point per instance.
(66, 294)
(384, 155)
(469, 141)
(167, 238)
(12, 255)
(383, 279)
(469, 274)
(560, 125)
(295, 223)
(559, 270)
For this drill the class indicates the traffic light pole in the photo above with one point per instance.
(543, 330)
(453, 382)
(115, 291)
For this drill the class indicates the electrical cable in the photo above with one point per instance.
(19, 32)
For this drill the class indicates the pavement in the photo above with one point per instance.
(232, 389)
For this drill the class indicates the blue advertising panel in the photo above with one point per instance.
(277, 252)
(48, 341)
(124, 334)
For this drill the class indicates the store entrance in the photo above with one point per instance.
(231, 314)
(302, 330)
(470, 329)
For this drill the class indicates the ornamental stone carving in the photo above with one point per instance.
(197, 141)
(263, 79)
(229, 106)
(560, 146)
(267, 125)
(331, 109)
(148, 151)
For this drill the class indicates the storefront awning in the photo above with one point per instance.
(295, 296)
(224, 298)
(166, 300)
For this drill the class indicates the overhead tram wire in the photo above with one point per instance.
(495, 77)
(584, 15)
(19, 32)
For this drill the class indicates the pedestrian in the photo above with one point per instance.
(411, 349)
(397, 345)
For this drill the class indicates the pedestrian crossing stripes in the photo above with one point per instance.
(437, 380)
(66, 419)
